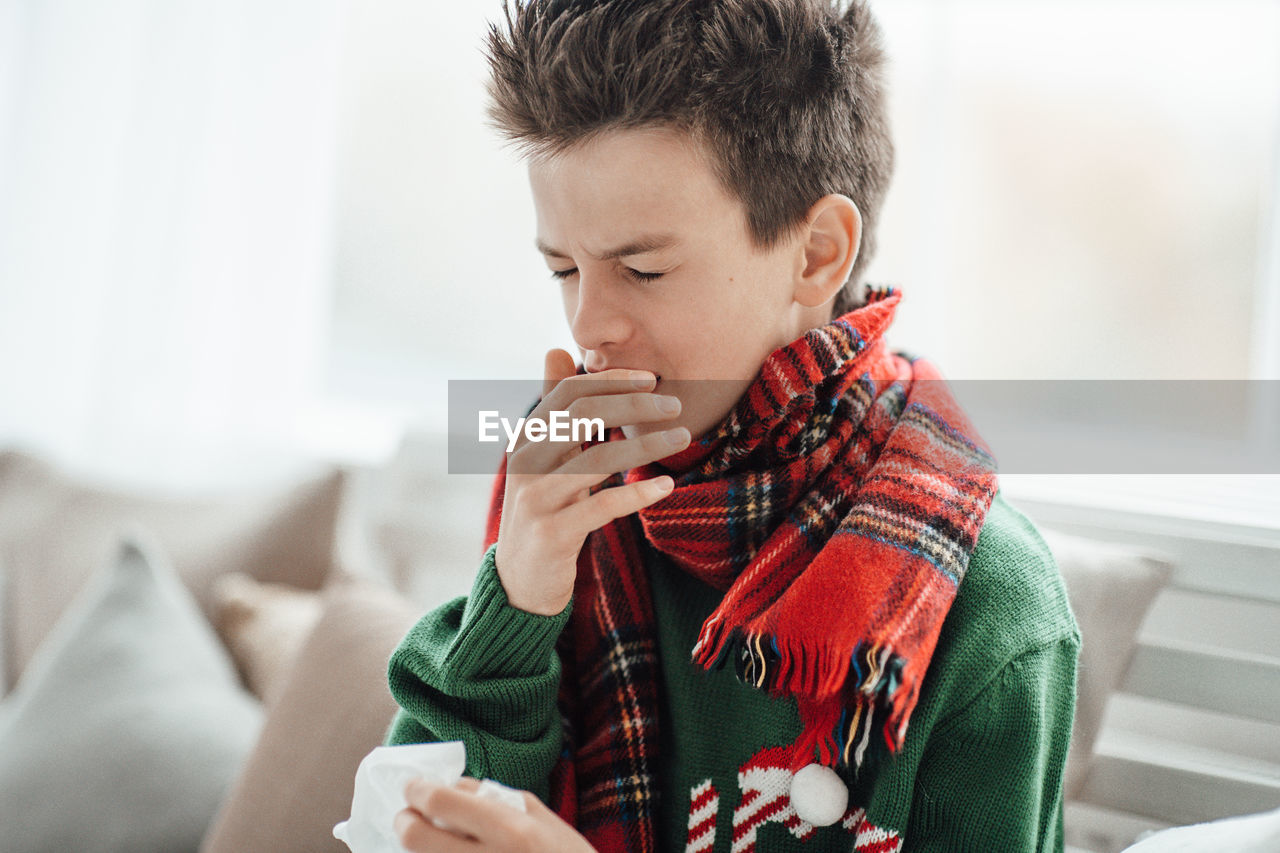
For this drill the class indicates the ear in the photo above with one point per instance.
(831, 242)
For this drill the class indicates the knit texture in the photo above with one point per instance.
(483, 672)
(980, 767)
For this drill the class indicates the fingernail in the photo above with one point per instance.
(677, 436)
(640, 379)
(670, 405)
(664, 484)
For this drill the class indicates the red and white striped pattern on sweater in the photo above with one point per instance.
(869, 838)
(704, 805)
(765, 781)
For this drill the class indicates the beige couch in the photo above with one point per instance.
(300, 578)
(310, 584)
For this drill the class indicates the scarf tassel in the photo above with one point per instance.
(870, 679)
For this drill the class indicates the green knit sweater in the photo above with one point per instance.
(980, 769)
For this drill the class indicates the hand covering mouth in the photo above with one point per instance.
(657, 376)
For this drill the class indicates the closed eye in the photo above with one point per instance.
(561, 275)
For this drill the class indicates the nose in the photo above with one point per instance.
(597, 312)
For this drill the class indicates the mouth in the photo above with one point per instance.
(656, 376)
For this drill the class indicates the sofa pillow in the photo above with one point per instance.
(334, 708)
(129, 724)
(263, 625)
(1111, 588)
(53, 529)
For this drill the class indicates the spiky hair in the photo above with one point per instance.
(786, 95)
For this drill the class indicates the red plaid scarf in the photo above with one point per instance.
(845, 475)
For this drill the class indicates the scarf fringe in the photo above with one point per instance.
(841, 694)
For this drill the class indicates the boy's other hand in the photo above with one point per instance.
(548, 508)
(472, 823)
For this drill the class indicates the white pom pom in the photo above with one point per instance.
(818, 795)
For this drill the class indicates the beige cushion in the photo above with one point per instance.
(263, 625)
(129, 726)
(53, 529)
(332, 710)
(1111, 588)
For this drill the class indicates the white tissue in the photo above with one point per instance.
(379, 791)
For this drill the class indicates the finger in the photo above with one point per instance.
(637, 407)
(619, 380)
(607, 411)
(570, 483)
(604, 506)
(535, 458)
(536, 808)
(604, 460)
(561, 385)
(557, 365)
(567, 484)
(417, 834)
(488, 821)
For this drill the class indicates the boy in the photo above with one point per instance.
(778, 492)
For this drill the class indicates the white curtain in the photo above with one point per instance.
(166, 208)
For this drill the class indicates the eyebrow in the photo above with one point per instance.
(639, 246)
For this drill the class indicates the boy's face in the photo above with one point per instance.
(657, 271)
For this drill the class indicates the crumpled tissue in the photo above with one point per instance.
(379, 790)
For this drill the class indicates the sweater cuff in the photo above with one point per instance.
(496, 640)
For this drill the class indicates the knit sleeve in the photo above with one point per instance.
(483, 672)
(991, 775)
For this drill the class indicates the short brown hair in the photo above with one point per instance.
(787, 95)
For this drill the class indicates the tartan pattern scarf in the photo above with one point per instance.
(845, 475)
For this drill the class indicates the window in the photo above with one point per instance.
(1082, 190)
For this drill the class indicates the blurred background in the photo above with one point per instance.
(232, 230)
